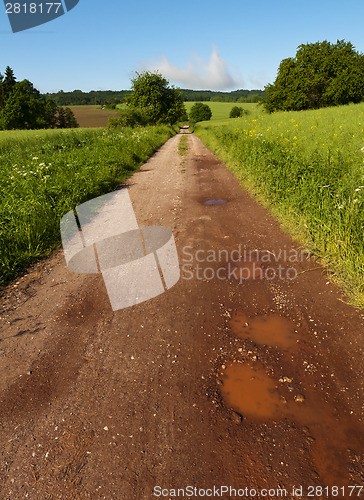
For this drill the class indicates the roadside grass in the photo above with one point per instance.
(308, 168)
(44, 174)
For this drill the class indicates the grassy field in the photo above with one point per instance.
(92, 116)
(308, 167)
(11, 136)
(221, 110)
(44, 174)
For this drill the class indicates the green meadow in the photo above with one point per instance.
(44, 174)
(308, 168)
(221, 110)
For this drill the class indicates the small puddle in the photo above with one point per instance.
(273, 330)
(214, 202)
(250, 391)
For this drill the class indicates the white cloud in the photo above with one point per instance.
(197, 74)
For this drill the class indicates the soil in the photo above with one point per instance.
(248, 373)
(93, 116)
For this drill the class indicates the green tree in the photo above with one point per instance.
(152, 93)
(130, 117)
(321, 74)
(50, 112)
(24, 108)
(8, 83)
(237, 111)
(61, 118)
(71, 121)
(2, 102)
(200, 112)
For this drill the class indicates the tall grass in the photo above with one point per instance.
(45, 174)
(308, 167)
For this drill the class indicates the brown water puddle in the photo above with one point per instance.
(271, 329)
(251, 392)
(214, 202)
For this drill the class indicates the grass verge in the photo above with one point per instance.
(44, 175)
(307, 167)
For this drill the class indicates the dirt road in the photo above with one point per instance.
(247, 373)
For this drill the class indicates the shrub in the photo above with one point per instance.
(236, 112)
(131, 117)
(200, 112)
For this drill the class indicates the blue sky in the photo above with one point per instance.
(202, 44)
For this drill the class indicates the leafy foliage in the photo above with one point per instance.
(130, 117)
(237, 111)
(200, 112)
(23, 107)
(321, 74)
(160, 102)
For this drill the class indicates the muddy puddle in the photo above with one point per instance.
(257, 396)
(250, 391)
(214, 202)
(273, 330)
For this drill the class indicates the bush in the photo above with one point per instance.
(236, 112)
(152, 93)
(131, 117)
(200, 112)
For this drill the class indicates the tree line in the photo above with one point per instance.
(110, 98)
(23, 107)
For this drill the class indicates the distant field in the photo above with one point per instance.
(92, 116)
(308, 167)
(221, 110)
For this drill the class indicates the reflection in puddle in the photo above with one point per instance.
(214, 202)
(250, 391)
(271, 330)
